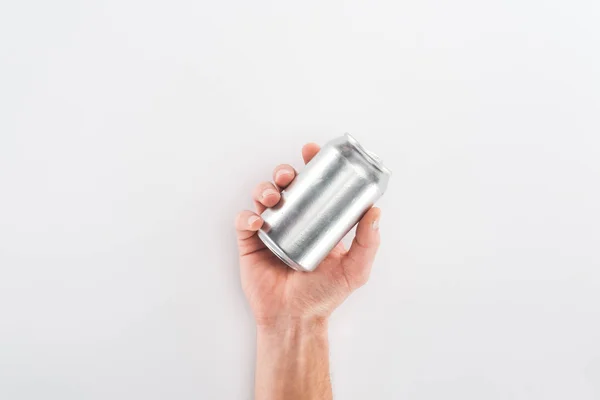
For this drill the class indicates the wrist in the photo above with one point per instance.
(292, 326)
(292, 359)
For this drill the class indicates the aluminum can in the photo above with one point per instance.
(322, 204)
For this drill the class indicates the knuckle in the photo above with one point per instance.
(238, 218)
(361, 278)
(268, 185)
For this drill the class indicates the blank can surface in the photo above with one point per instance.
(325, 200)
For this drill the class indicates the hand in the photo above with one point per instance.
(279, 295)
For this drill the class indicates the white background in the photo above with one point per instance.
(131, 132)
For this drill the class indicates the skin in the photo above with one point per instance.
(292, 308)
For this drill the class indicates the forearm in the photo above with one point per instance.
(292, 361)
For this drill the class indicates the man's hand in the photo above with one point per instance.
(291, 307)
(279, 294)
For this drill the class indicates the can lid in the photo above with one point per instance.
(376, 161)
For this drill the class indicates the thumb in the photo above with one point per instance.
(359, 259)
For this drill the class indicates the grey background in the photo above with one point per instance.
(131, 132)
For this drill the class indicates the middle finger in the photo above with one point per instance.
(265, 195)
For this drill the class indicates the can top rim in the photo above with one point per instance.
(371, 157)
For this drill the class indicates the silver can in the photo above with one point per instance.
(327, 198)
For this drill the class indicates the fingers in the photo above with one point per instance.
(309, 150)
(265, 195)
(247, 223)
(283, 175)
(359, 259)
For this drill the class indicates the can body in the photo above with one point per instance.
(323, 203)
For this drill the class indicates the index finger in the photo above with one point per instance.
(309, 150)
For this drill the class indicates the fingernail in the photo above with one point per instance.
(252, 220)
(268, 192)
(282, 172)
(375, 225)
